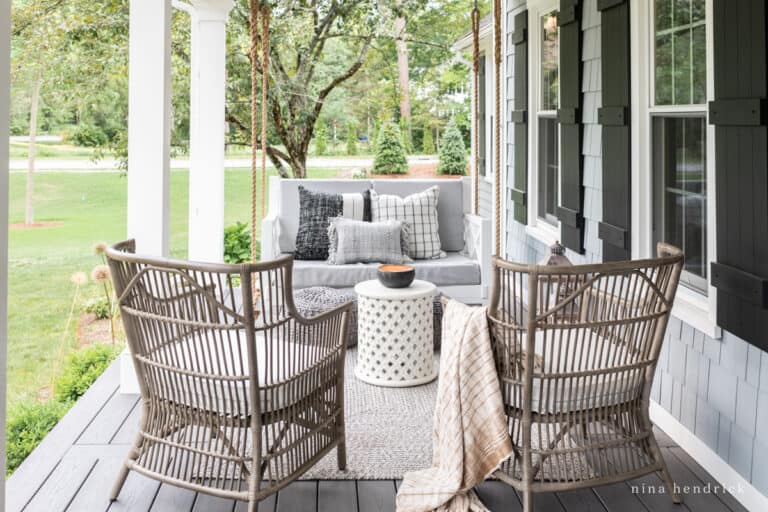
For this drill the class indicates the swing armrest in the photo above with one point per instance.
(270, 243)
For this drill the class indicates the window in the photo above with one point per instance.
(679, 133)
(680, 191)
(548, 153)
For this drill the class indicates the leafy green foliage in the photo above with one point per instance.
(81, 369)
(351, 140)
(27, 425)
(98, 306)
(390, 155)
(321, 138)
(428, 143)
(237, 243)
(453, 154)
(88, 135)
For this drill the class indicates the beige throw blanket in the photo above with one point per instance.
(470, 428)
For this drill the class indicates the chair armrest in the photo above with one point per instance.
(478, 245)
(270, 243)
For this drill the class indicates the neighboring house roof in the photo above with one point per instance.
(465, 41)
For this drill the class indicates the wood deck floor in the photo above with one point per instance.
(75, 466)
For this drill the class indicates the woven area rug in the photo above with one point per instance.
(389, 430)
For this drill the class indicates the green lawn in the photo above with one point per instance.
(92, 208)
(50, 150)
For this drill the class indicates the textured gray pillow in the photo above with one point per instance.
(353, 241)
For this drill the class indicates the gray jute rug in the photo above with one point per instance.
(389, 430)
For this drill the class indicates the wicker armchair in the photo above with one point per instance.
(576, 349)
(240, 395)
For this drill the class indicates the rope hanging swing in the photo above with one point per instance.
(259, 49)
(476, 116)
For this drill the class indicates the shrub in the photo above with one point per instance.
(351, 140)
(99, 306)
(237, 243)
(428, 144)
(89, 136)
(27, 425)
(321, 139)
(81, 370)
(453, 155)
(390, 155)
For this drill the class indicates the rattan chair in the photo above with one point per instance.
(240, 395)
(576, 349)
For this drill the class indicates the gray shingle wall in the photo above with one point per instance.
(718, 389)
(485, 196)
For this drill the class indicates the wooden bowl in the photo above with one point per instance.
(396, 276)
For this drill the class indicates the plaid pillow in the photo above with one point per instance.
(419, 211)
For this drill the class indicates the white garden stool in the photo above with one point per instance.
(395, 334)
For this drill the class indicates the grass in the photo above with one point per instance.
(92, 208)
(58, 150)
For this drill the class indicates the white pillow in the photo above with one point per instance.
(419, 211)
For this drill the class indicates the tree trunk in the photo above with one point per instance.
(29, 215)
(403, 71)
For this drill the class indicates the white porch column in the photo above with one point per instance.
(149, 125)
(206, 140)
(5, 100)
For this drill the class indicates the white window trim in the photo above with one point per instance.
(695, 309)
(538, 228)
(486, 48)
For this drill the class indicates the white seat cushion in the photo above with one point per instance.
(582, 350)
(219, 354)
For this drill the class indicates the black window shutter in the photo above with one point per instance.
(519, 116)
(482, 100)
(614, 230)
(741, 168)
(571, 208)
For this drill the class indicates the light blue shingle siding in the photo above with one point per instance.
(717, 388)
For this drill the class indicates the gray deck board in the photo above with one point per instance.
(76, 465)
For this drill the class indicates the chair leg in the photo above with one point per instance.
(527, 501)
(666, 477)
(253, 505)
(341, 449)
(119, 483)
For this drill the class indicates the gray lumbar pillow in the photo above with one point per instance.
(353, 241)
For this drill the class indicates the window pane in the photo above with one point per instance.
(681, 14)
(664, 70)
(548, 168)
(699, 64)
(680, 52)
(680, 191)
(663, 14)
(698, 10)
(681, 71)
(550, 60)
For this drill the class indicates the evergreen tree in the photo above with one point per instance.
(321, 139)
(405, 134)
(453, 154)
(428, 145)
(390, 155)
(351, 140)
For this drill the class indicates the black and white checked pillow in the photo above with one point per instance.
(419, 211)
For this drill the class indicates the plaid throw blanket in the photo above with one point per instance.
(470, 429)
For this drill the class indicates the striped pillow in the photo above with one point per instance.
(419, 211)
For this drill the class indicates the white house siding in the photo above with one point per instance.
(485, 195)
(718, 389)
